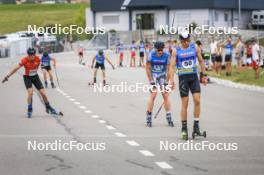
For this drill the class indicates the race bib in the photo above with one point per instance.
(33, 72)
(228, 51)
(45, 64)
(188, 64)
(158, 68)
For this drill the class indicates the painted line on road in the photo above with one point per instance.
(82, 107)
(101, 121)
(110, 127)
(146, 153)
(119, 134)
(77, 103)
(72, 99)
(132, 143)
(164, 165)
(95, 116)
(88, 111)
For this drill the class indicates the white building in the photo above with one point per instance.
(121, 15)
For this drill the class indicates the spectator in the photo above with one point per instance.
(239, 53)
(255, 57)
(213, 46)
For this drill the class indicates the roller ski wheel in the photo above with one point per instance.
(53, 112)
(184, 133)
(195, 134)
(149, 122)
(90, 84)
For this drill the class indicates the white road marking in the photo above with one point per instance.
(132, 143)
(164, 165)
(110, 127)
(146, 153)
(88, 112)
(119, 134)
(95, 116)
(82, 107)
(72, 99)
(68, 96)
(77, 103)
(101, 121)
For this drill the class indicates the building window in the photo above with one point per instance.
(255, 17)
(226, 17)
(261, 16)
(111, 19)
(216, 16)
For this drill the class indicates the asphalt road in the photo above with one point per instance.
(117, 121)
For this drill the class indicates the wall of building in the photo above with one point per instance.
(187, 16)
(122, 24)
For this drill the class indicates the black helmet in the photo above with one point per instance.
(100, 52)
(184, 35)
(45, 54)
(159, 45)
(31, 51)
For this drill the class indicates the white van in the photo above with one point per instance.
(257, 18)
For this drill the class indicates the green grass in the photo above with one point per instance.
(246, 76)
(261, 42)
(15, 18)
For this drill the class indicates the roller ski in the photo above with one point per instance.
(197, 132)
(46, 84)
(53, 85)
(52, 111)
(169, 120)
(149, 120)
(30, 111)
(184, 133)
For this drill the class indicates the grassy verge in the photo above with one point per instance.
(246, 76)
(15, 18)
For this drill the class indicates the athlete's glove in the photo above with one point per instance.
(203, 78)
(153, 86)
(5, 79)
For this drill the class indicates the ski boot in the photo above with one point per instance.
(52, 85)
(46, 84)
(29, 112)
(169, 120)
(149, 119)
(197, 132)
(52, 111)
(104, 83)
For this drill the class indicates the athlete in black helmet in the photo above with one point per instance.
(157, 72)
(31, 64)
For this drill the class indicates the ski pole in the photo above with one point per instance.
(57, 76)
(157, 113)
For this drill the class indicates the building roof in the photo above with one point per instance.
(106, 5)
(115, 5)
